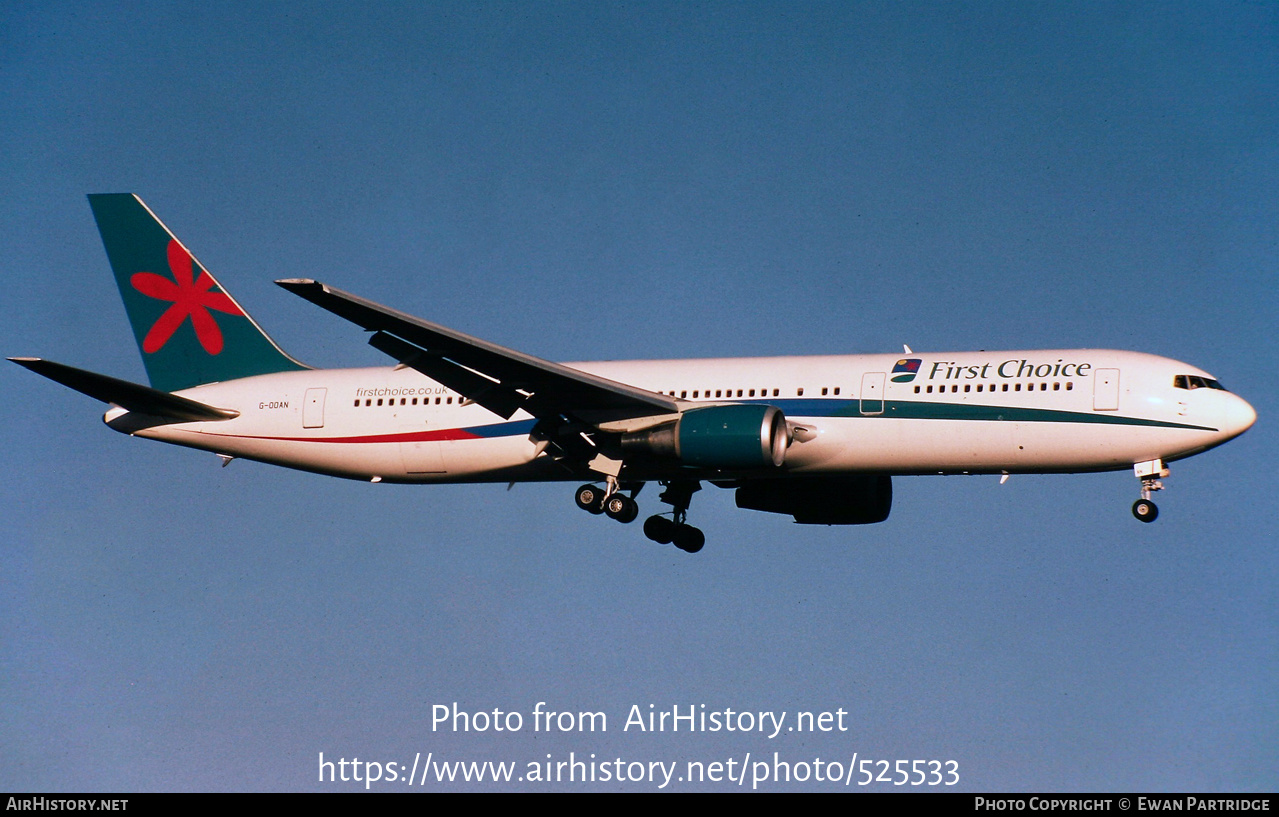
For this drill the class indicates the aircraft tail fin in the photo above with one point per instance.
(189, 330)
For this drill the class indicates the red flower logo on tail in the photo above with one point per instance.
(189, 296)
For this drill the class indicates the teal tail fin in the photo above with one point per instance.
(189, 329)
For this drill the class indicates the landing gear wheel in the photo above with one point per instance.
(590, 498)
(622, 508)
(688, 538)
(659, 529)
(673, 530)
(1145, 510)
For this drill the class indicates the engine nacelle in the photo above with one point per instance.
(860, 499)
(746, 436)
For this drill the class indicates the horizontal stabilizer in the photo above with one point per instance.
(131, 396)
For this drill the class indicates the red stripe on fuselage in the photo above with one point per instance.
(440, 435)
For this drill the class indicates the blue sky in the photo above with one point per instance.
(593, 181)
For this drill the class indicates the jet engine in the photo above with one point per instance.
(742, 436)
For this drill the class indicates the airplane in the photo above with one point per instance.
(815, 438)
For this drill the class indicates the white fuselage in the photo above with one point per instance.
(964, 412)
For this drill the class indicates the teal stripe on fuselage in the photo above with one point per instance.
(922, 410)
(903, 410)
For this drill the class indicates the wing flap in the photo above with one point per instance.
(131, 396)
(500, 379)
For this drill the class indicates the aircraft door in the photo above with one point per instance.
(1105, 390)
(872, 393)
(313, 408)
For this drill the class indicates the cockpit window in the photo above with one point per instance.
(1190, 382)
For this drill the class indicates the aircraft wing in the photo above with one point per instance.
(499, 379)
(131, 396)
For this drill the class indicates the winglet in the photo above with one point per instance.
(131, 396)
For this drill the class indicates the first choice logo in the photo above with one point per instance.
(1008, 370)
(906, 369)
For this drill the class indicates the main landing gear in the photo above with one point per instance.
(616, 505)
(1150, 473)
(674, 530)
(665, 531)
(613, 503)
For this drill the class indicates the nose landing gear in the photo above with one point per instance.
(1150, 473)
(1145, 510)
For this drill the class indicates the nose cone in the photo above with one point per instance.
(1239, 416)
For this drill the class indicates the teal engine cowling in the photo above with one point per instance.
(743, 436)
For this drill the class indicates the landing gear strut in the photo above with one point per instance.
(674, 531)
(1149, 473)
